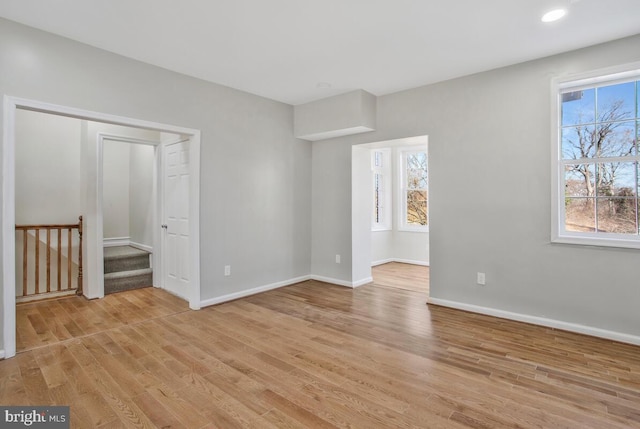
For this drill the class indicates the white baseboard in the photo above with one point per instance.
(382, 262)
(249, 292)
(412, 262)
(125, 241)
(141, 246)
(338, 282)
(362, 282)
(402, 261)
(2, 355)
(541, 321)
(116, 241)
(265, 288)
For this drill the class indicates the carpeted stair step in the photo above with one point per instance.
(125, 259)
(127, 280)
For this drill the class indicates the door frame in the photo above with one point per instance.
(10, 105)
(156, 203)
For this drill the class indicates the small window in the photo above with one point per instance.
(414, 190)
(381, 171)
(598, 161)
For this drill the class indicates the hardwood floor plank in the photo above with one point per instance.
(314, 355)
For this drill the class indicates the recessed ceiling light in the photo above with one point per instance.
(554, 15)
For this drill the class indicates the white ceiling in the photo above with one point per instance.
(282, 49)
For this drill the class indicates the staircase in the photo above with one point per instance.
(126, 268)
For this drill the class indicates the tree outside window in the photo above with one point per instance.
(599, 160)
(414, 184)
(599, 155)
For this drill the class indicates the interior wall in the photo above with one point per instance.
(141, 195)
(47, 157)
(255, 218)
(115, 190)
(490, 193)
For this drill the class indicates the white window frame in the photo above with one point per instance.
(386, 173)
(603, 77)
(402, 189)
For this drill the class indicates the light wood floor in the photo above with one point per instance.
(314, 355)
(402, 276)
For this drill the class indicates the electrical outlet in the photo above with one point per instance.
(227, 270)
(481, 279)
(337, 259)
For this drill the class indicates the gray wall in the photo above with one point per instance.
(140, 194)
(47, 169)
(255, 217)
(115, 189)
(489, 147)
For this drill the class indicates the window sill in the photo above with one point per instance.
(409, 229)
(597, 242)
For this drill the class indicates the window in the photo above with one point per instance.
(598, 161)
(381, 171)
(413, 190)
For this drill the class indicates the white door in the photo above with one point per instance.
(175, 253)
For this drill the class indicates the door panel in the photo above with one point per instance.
(176, 219)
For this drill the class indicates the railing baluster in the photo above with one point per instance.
(69, 259)
(25, 241)
(37, 287)
(50, 241)
(59, 287)
(48, 260)
(80, 230)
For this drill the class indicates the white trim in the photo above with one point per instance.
(249, 292)
(57, 294)
(382, 262)
(194, 220)
(344, 283)
(362, 282)
(125, 241)
(412, 262)
(541, 321)
(8, 228)
(101, 137)
(2, 354)
(402, 261)
(141, 246)
(332, 281)
(116, 241)
(8, 197)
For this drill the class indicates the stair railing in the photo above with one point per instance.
(52, 287)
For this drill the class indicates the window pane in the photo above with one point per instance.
(578, 142)
(417, 170)
(617, 215)
(378, 198)
(616, 102)
(580, 180)
(578, 107)
(615, 139)
(416, 207)
(580, 215)
(377, 159)
(617, 179)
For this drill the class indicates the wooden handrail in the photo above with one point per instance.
(59, 228)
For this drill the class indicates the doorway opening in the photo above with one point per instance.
(390, 225)
(90, 203)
